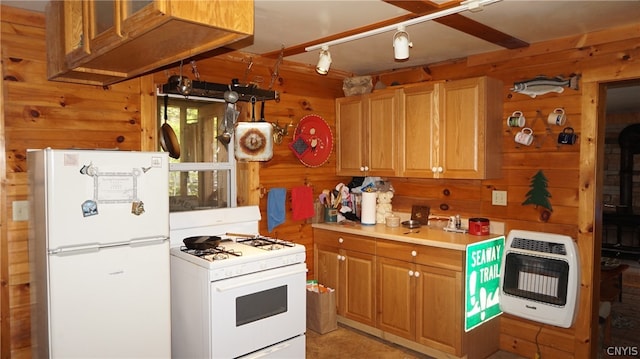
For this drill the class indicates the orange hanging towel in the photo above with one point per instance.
(302, 202)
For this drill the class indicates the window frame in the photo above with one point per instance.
(230, 167)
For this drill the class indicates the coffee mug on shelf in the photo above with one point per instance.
(557, 117)
(524, 137)
(567, 136)
(516, 119)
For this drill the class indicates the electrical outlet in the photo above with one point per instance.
(499, 198)
(20, 210)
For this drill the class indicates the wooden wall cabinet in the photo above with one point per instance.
(103, 42)
(431, 130)
(367, 134)
(419, 300)
(347, 264)
(452, 129)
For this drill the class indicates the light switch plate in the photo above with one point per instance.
(499, 198)
(20, 210)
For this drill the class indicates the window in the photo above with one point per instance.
(203, 177)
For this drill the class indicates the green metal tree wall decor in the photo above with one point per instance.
(538, 194)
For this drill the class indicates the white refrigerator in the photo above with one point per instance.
(99, 254)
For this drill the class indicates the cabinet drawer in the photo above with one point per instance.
(345, 241)
(440, 257)
(324, 237)
(357, 243)
(396, 250)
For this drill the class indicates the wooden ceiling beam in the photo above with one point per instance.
(299, 49)
(460, 23)
(417, 8)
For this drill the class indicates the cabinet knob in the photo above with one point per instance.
(434, 169)
(340, 240)
(410, 273)
(343, 258)
(416, 274)
(440, 170)
(364, 168)
(414, 253)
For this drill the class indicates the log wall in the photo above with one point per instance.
(38, 113)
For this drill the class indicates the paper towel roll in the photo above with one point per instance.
(368, 215)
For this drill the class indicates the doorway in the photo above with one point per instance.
(620, 240)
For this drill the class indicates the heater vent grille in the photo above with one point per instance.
(539, 246)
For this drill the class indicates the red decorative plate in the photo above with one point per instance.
(315, 132)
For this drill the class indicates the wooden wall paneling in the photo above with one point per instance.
(562, 165)
(5, 324)
(599, 57)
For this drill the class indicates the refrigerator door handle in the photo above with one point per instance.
(74, 250)
(95, 247)
(145, 241)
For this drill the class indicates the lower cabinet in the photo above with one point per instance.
(410, 291)
(419, 302)
(347, 264)
(439, 307)
(397, 297)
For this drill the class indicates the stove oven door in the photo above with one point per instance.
(254, 311)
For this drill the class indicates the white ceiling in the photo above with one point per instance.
(288, 23)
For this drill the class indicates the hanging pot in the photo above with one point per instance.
(168, 139)
(253, 140)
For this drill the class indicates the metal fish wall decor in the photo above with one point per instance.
(541, 85)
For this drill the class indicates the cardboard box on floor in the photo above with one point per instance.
(321, 311)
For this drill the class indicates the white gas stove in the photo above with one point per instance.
(236, 256)
(249, 286)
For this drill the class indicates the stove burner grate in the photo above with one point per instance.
(266, 243)
(212, 254)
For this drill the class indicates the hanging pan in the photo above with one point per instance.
(168, 139)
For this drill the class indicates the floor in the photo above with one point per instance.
(346, 342)
(349, 343)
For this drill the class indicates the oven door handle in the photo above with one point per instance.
(260, 280)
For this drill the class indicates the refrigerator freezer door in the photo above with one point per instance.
(105, 196)
(111, 303)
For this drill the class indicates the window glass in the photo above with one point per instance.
(201, 178)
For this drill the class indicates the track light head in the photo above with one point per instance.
(324, 62)
(401, 44)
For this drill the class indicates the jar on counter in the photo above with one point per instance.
(392, 220)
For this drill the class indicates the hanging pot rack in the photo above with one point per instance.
(214, 90)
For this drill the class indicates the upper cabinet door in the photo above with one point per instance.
(349, 136)
(139, 16)
(382, 111)
(419, 131)
(103, 20)
(470, 128)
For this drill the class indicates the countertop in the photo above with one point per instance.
(435, 237)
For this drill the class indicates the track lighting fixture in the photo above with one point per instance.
(401, 44)
(324, 62)
(401, 41)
